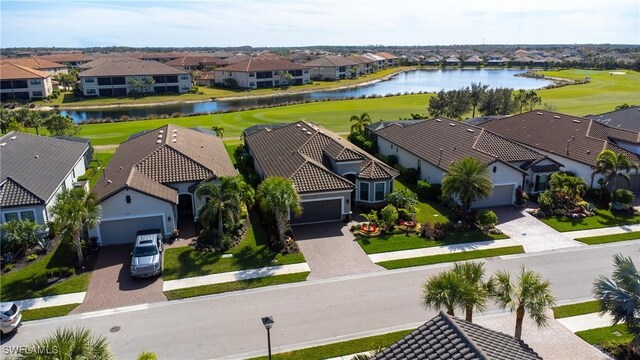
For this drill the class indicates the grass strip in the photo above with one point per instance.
(235, 286)
(603, 239)
(459, 256)
(47, 312)
(617, 334)
(341, 348)
(564, 311)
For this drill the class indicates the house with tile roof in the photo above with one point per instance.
(39, 64)
(151, 180)
(627, 119)
(573, 141)
(332, 67)
(263, 72)
(114, 76)
(432, 146)
(34, 170)
(329, 172)
(23, 83)
(448, 337)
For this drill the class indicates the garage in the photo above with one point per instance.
(502, 195)
(635, 183)
(116, 232)
(319, 211)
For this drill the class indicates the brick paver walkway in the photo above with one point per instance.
(112, 286)
(331, 251)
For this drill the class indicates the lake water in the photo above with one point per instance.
(410, 81)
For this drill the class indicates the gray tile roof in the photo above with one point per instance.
(628, 119)
(170, 154)
(447, 337)
(300, 152)
(13, 195)
(127, 67)
(38, 163)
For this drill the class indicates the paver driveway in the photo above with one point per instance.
(331, 251)
(112, 286)
(530, 232)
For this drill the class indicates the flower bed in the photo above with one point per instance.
(367, 230)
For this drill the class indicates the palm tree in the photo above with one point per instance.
(360, 122)
(403, 198)
(444, 290)
(620, 295)
(610, 165)
(31, 118)
(572, 186)
(531, 293)
(219, 130)
(75, 210)
(70, 344)
(18, 236)
(477, 293)
(225, 201)
(475, 96)
(278, 196)
(469, 180)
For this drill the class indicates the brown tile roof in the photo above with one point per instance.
(63, 58)
(572, 137)
(127, 66)
(13, 194)
(151, 161)
(263, 64)
(387, 55)
(300, 151)
(448, 337)
(10, 71)
(34, 63)
(360, 59)
(441, 142)
(332, 61)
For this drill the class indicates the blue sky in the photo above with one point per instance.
(222, 23)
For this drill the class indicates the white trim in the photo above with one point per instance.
(384, 191)
(66, 176)
(99, 230)
(368, 190)
(348, 162)
(327, 192)
(19, 214)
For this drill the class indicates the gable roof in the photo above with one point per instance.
(448, 337)
(149, 161)
(387, 55)
(442, 142)
(123, 66)
(38, 164)
(265, 63)
(300, 151)
(568, 136)
(628, 119)
(34, 63)
(10, 71)
(13, 194)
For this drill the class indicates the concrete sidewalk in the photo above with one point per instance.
(586, 322)
(235, 276)
(49, 301)
(439, 250)
(603, 231)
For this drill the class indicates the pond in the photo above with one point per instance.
(410, 81)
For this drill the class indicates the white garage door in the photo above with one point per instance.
(116, 232)
(319, 211)
(502, 195)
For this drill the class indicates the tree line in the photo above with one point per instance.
(55, 123)
(454, 104)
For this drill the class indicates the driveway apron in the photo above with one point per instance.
(331, 251)
(112, 286)
(530, 232)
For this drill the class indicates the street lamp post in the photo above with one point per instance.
(267, 321)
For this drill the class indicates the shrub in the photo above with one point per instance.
(8, 267)
(545, 201)
(487, 220)
(410, 174)
(392, 160)
(433, 231)
(32, 257)
(389, 215)
(59, 272)
(622, 196)
(404, 214)
(422, 189)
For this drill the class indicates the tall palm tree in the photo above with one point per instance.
(468, 179)
(444, 290)
(476, 297)
(359, 123)
(620, 295)
(225, 200)
(611, 165)
(278, 196)
(70, 344)
(75, 210)
(529, 294)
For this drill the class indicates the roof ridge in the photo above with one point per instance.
(187, 157)
(463, 334)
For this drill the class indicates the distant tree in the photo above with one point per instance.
(354, 71)
(8, 121)
(285, 78)
(531, 99)
(359, 123)
(475, 96)
(497, 101)
(219, 130)
(452, 104)
(135, 83)
(519, 100)
(624, 106)
(146, 83)
(34, 119)
(438, 104)
(58, 125)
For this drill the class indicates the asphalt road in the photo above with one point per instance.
(306, 313)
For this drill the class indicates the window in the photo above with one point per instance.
(184, 77)
(185, 88)
(11, 216)
(495, 169)
(120, 80)
(541, 183)
(35, 82)
(252, 74)
(91, 91)
(391, 146)
(89, 80)
(172, 79)
(28, 215)
(251, 84)
(20, 84)
(364, 191)
(104, 81)
(379, 196)
(36, 93)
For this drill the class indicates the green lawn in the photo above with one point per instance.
(30, 281)
(341, 348)
(617, 334)
(103, 157)
(576, 309)
(602, 94)
(48, 312)
(604, 218)
(428, 211)
(251, 253)
(593, 240)
(235, 286)
(444, 258)
(397, 242)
